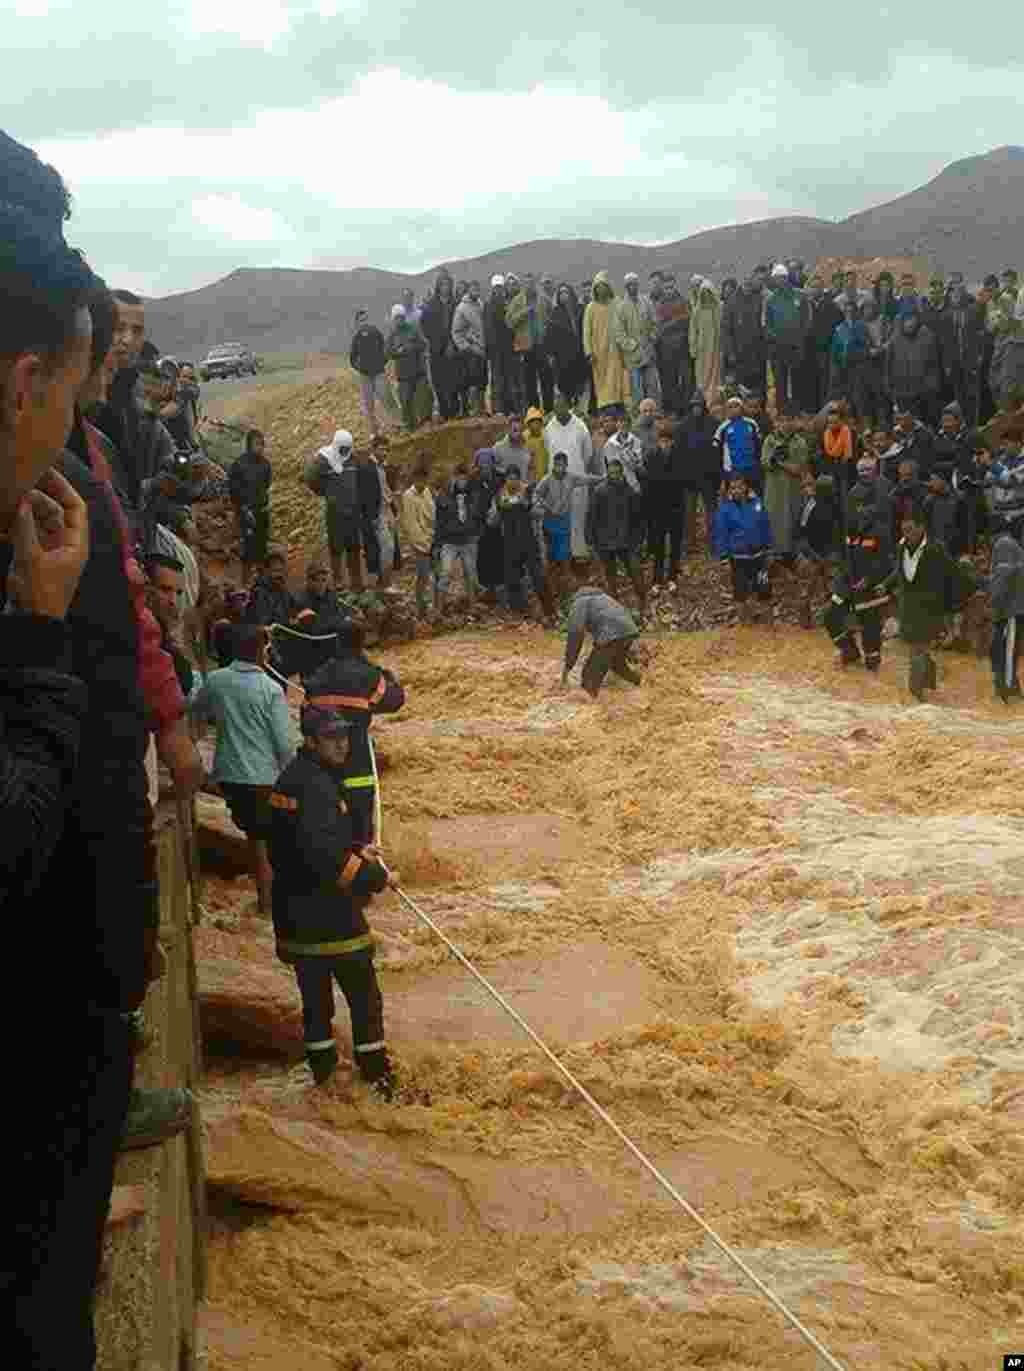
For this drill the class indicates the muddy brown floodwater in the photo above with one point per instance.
(771, 915)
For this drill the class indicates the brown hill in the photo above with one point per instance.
(966, 218)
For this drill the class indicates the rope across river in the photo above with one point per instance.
(659, 1176)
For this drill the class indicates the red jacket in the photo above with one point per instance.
(158, 680)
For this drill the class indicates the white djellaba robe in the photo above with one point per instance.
(573, 438)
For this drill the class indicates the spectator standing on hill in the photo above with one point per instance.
(566, 433)
(706, 340)
(611, 382)
(418, 522)
(672, 346)
(527, 316)
(614, 520)
(368, 357)
(701, 458)
(635, 331)
(823, 314)
(743, 346)
(511, 450)
(914, 370)
(501, 356)
(738, 440)
(470, 344)
(436, 325)
(459, 515)
(786, 325)
(513, 510)
(249, 482)
(743, 538)
(564, 344)
(407, 348)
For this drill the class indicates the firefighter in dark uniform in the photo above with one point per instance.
(359, 689)
(323, 881)
(857, 591)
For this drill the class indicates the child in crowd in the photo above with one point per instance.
(743, 538)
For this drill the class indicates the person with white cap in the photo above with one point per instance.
(787, 321)
(501, 358)
(351, 491)
(635, 328)
(407, 348)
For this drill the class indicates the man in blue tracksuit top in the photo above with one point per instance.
(743, 538)
(739, 441)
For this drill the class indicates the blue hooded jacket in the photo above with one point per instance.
(741, 529)
(739, 441)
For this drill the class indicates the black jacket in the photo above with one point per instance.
(107, 844)
(666, 478)
(825, 315)
(436, 325)
(698, 452)
(368, 353)
(742, 333)
(41, 711)
(953, 454)
(497, 334)
(817, 527)
(318, 615)
(249, 481)
(360, 689)
(268, 605)
(456, 523)
(321, 884)
(614, 517)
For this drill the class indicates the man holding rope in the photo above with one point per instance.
(323, 880)
(358, 689)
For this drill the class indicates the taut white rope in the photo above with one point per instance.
(624, 1138)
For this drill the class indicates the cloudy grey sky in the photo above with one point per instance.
(202, 135)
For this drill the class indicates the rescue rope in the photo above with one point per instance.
(624, 1138)
(309, 637)
(778, 1304)
(378, 818)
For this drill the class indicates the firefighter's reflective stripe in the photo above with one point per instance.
(350, 870)
(278, 801)
(358, 782)
(872, 604)
(838, 600)
(321, 1046)
(371, 1047)
(338, 947)
(340, 701)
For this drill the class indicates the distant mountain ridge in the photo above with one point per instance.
(968, 218)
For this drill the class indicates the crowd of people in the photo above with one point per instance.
(876, 344)
(626, 416)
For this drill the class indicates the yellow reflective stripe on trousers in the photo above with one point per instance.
(358, 782)
(336, 948)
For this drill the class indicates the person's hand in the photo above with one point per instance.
(178, 753)
(394, 879)
(50, 535)
(370, 852)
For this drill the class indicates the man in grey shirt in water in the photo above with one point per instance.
(613, 630)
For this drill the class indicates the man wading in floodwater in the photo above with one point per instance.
(613, 629)
(323, 881)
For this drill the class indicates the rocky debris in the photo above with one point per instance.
(250, 1006)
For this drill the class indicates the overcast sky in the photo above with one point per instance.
(200, 137)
